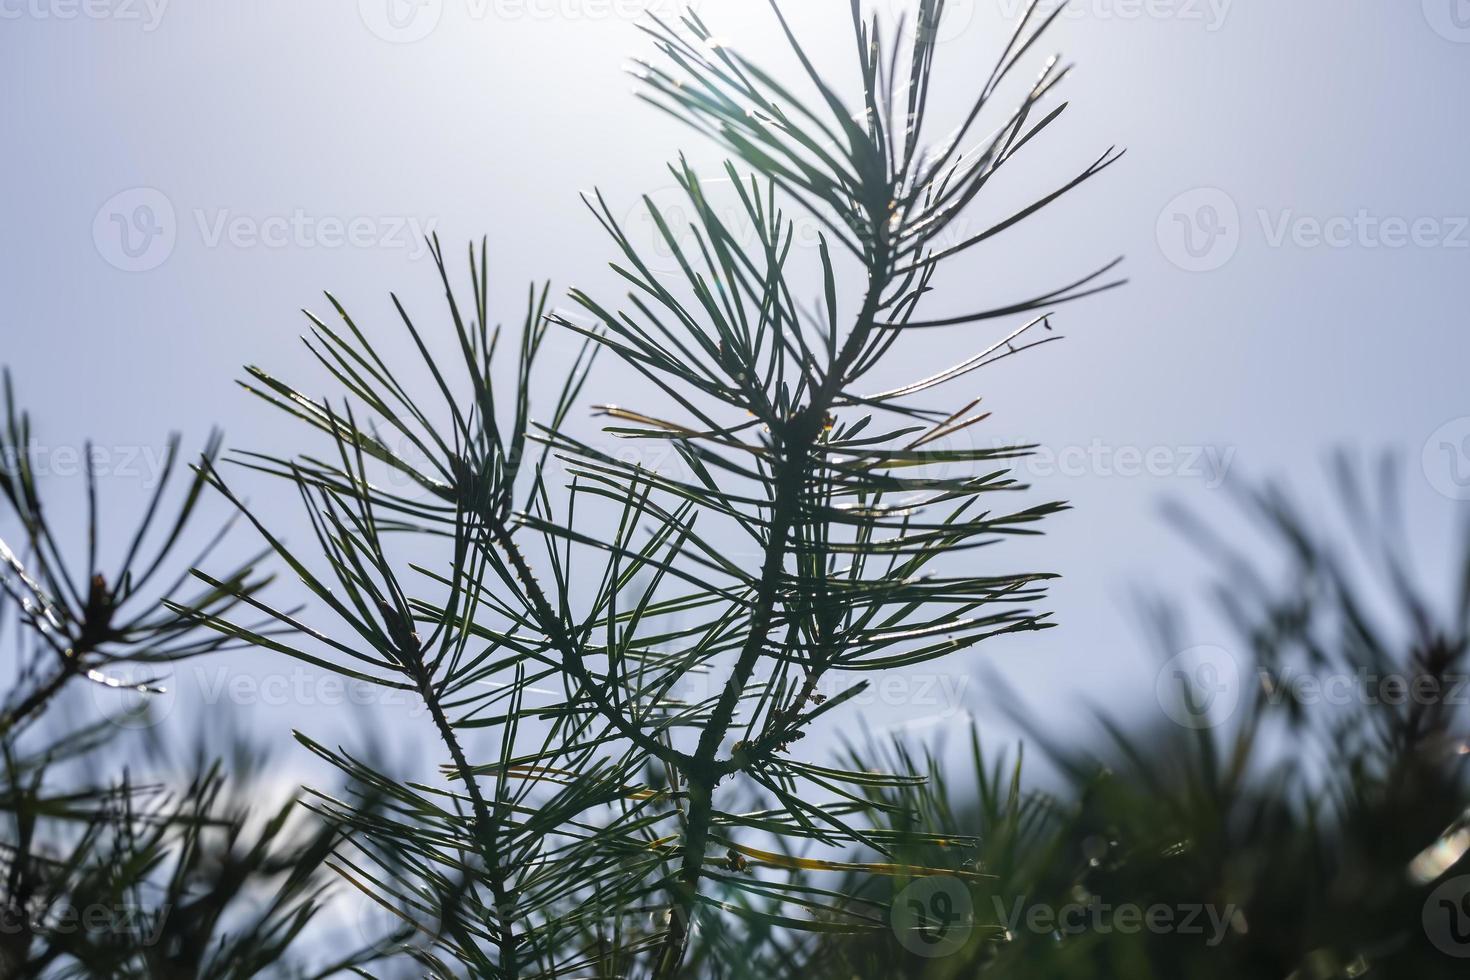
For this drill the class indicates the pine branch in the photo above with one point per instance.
(847, 515)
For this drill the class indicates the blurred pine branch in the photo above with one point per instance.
(102, 875)
(1307, 833)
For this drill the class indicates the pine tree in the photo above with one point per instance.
(607, 823)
